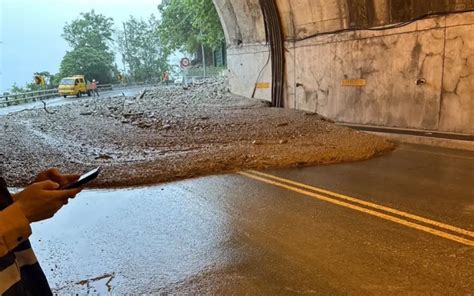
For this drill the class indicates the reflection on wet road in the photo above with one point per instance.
(233, 234)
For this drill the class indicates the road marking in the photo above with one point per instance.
(276, 181)
(372, 205)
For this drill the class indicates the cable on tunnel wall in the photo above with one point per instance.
(275, 36)
(381, 28)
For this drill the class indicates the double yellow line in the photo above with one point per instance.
(443, 230)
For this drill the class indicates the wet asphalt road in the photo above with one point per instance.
(129, 91)
(237, 234)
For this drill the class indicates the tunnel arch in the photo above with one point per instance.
(387, 44)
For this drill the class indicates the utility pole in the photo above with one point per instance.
(203, 55)
(204, 59)
(126, 50)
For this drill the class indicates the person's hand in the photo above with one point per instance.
(40, 201)
(54, 175)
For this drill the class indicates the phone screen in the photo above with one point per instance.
(85, 178)
(88, 175)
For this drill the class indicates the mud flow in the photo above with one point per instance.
(168, 133)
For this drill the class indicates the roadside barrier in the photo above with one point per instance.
(32, 96)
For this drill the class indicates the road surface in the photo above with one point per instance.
(395, 225)
(129, 91)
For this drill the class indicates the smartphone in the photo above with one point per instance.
(85, 178)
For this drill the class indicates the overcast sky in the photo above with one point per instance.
(30, 32)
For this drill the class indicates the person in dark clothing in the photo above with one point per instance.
(20, 272)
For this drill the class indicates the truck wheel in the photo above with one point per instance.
(79, 94)
(65, 96)
(89, 93)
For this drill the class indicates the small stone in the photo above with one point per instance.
(86, 113)
(144, 124)
(282, 124)
(282, 141)
(167, 126)
(104, 157)
(255, 142)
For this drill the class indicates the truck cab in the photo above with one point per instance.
(75, 85)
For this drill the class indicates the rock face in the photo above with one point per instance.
(168, 133)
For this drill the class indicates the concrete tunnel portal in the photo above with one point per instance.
(390, 63)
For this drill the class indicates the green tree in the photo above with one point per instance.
(15, 89)
(90, 30)
(31, 86)
(185, 24)
(90, 36)
(91, 62)
(141, 48)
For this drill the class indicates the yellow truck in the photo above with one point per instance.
(76, 85)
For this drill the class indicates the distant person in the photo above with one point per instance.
(20, 272)
(166, 78)
(94, 88)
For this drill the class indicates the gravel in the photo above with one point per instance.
(168, 133)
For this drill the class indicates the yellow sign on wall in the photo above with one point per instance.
(262, 85)
(354, 82)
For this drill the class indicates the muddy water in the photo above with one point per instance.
(214, 235)
(140, 240)
(230, 235)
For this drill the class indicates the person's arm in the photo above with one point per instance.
(38, 201)
(14, 228)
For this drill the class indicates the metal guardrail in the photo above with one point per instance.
(32, 96)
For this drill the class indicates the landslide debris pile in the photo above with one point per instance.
(168, 133)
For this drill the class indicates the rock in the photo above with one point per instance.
(104, 157)
(166, 126)
(144, 125)
(282, 141)
(326, 119)
(86, 113)
(282, 124)
(255, 142)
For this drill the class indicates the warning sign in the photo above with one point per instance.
(262, 85)
(354, 82)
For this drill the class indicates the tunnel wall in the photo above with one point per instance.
(248, 54)
(438, 50)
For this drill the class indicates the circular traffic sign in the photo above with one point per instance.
(184, 63)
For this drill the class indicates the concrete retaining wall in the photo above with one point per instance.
(438, 51)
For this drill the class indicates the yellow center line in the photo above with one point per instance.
(369, 204)
(363, 210)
